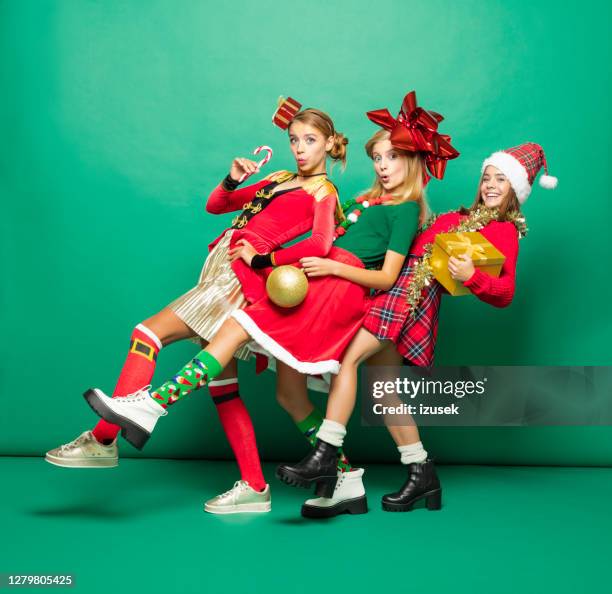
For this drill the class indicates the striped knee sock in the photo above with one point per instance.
(137, 372)
(239, 431)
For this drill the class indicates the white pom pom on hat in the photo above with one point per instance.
(521, 164)
(548, 182)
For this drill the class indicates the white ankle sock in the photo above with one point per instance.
(332, 432)
(412, 453)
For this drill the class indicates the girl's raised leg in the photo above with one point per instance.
(98, 448)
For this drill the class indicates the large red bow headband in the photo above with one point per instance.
(416, 129)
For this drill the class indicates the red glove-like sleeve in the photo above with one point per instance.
(320, 241)
(221, 200)
(498, 291)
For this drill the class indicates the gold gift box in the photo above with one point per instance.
(484, 254)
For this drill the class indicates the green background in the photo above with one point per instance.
(140, 528)
(118, 118)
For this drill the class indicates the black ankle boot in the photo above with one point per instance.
(320, 466)
(422, 483)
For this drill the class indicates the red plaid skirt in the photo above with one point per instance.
(389, 319)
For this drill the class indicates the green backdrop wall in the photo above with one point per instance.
(118, 118)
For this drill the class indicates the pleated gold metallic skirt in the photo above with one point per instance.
(216, 296)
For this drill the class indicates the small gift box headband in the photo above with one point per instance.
(287, 109)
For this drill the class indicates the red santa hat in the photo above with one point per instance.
(521, 164)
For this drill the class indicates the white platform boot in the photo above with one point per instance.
(349, 498)
(136, 414)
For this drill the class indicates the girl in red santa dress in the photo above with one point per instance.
(402, 322)
(272, 212)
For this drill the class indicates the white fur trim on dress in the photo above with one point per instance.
(282, 354)
(314, 382)
(512, 168)
(150, 334)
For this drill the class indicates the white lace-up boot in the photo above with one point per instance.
(136, 413)
(349, 498)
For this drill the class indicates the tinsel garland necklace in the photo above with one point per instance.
(362, 203)
(479, 218)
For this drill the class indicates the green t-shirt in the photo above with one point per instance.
(380, 228)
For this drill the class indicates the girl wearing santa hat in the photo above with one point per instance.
(402, 322)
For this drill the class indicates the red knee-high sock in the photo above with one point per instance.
(136, 373)
(239, 430)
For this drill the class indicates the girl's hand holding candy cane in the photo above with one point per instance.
(243, 168)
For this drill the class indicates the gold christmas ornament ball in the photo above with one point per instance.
(287, 286)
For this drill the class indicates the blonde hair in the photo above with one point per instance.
(323, 123)
(412, 188)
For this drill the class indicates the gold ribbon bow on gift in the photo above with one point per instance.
(465, 243)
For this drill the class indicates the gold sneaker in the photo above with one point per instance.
(85, 452)
(239, 499)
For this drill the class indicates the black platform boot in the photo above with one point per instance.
(320, 466)
(422, 483)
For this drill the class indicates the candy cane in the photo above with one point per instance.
(261, 163)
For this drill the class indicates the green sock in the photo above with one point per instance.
(309, 427)
(193, 376)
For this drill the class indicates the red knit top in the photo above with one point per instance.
(288, 215)
(504, 236)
